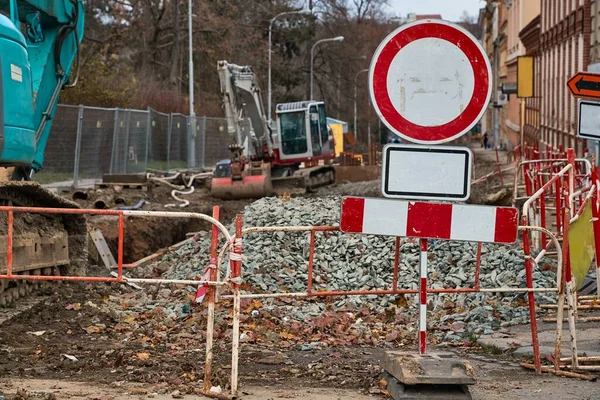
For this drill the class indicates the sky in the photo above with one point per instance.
(451, 10)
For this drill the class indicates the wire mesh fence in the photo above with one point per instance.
(88, 142)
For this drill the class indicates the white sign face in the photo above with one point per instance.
(430, 81)
(589, 119)
(426, 172)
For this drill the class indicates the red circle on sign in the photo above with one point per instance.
(380, 69)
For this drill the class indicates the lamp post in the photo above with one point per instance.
(192, 117)
(355, 96)
(312, 50)
(269, 91)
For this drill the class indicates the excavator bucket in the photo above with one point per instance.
(255, 183)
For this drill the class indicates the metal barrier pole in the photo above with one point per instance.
(423, 299)
(127, 131)
(396, 265)
(236, 276)
(114, 142)
(311, 261)
(542, 209)
(78, 147)
(531, 299)
(9, 240)
(148, 136)
(210, 322)
(596, 225)
(120, 246)
(203, 153)
(478, 265)
(570, 289)
(169, 133)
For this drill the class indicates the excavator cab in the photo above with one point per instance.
(302, 132)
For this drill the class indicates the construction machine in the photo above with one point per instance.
(39, 41)
(293, 154)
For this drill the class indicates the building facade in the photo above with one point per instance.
(564, 50)
(519, 14)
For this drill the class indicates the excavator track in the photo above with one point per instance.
(43, 244)
(303, 180)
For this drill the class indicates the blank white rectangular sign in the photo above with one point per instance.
(589, 119)
(426, 172)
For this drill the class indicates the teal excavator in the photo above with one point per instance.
(39, 43)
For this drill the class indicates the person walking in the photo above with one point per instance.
(485, 140)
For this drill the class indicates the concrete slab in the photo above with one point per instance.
(430, 369)
(399, 391)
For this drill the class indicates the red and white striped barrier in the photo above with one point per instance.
(429, 220)
(423, 299)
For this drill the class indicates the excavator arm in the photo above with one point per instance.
(244, 110)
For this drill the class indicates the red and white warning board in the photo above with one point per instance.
(429, 220)
(430, 81)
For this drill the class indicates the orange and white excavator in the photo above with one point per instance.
(294, 155)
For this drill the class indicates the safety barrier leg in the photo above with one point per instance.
(596, 225)
(396, 265)
(478, 265)
(423, 299)
(531, 300)
(236, 274)
(210, 322)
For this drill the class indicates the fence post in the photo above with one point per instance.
(78, 147)
(114, 142)
(127, 129)
(148, 136)
(203, 156)
(169, 132)
(191, 141)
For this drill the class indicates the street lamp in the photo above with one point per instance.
(192, 117)
(355, 96)
(271, 51)
(312, 50)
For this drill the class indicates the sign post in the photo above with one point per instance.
(430, 82)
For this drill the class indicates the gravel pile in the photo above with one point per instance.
(276, 262)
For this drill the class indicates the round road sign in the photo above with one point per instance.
(430, 81)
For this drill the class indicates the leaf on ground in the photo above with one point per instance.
(143, 356)
(74, 306)
(129, 320)
(92, 329)
(37, 333)
(286, 335)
